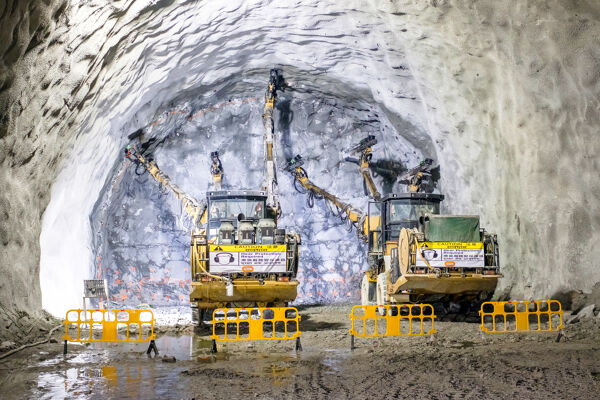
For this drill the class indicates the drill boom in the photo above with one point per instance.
(270, 183)
(194, 208)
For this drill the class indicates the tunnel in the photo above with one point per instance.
(503, 97)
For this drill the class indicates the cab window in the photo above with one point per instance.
(411, 209)
(232, 208)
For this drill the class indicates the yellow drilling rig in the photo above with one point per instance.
(415, 254)
(240, 257)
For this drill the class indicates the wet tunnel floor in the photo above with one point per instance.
(459, 363)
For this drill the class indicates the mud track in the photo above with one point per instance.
(459, 363)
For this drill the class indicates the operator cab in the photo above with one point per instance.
(241, 211)
(397, 211)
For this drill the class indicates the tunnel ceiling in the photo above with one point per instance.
(504, 97)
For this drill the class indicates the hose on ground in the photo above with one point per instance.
(13, 351)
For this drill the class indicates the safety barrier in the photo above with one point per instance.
(238, 324)
(521, 316)
(392, 320)
(122, 326)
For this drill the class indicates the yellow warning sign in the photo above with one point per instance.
(451, 245)
(248, 248)
(248, 258)
(451, 255)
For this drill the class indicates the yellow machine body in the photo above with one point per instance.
(253, 280)
(445, 276)
(213, 294)
(390, 227)
(452, 284)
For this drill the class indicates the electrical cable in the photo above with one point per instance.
(296, 183)
(335, 214)
(350, 226)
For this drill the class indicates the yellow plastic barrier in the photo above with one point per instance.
(131, 326)
(392, 320)
(236, 324)
(521, 316)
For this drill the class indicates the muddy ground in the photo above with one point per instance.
(458, 363)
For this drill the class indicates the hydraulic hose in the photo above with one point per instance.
(421, 255)
(310, 201)
(137, 166)
(196, 256)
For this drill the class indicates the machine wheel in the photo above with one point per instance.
(394, 266)
(204, 327)
(404, 251)
(367, 291)
(195, 315)
(381, 289)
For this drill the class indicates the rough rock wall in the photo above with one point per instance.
(28, 155)
(513, 88)
(508, 93)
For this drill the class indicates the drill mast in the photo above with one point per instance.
(270, 183)
(363, 149)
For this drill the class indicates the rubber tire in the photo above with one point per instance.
(394, 269)
(195, 316)
(367, 291)
(404, 251)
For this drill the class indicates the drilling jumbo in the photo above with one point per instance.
(415, 254)
(240, 257)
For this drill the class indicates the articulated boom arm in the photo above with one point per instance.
(415, 177)
(270, 183)
(216, 169)
(364, 149)
(345, 210)
(194, 208)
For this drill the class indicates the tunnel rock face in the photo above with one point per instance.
(140, 232)
(504, 97)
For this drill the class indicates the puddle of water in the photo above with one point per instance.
(186, 347)
(106, 370)
(334, 358)
(132, 380)
(57, 384)
(278, 373)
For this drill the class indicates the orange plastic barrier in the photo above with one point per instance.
(521, 316)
